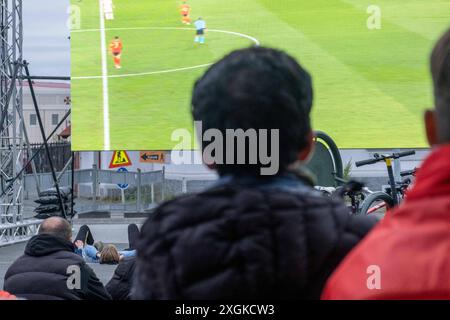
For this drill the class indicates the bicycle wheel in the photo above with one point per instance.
(330, 151)
(377, 202)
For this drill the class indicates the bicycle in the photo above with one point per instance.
(395, 193)
(353, 193)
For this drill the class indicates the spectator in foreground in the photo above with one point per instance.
(250, 236)
(407, 254)
(7, 296)
(42, 273)
(119, 287)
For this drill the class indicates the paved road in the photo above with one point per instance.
(108, 233)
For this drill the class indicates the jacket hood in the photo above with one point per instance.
(45, 244)
(433, 178)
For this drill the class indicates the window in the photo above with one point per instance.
(33, 119)
(55, 119)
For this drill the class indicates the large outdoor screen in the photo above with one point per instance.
(134, 63)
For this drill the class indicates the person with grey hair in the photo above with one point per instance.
(406, 256)
(51, 270)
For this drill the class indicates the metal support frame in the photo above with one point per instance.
(13, 139)
(11, 122)
(19, 232)
(47, 150)
(46, 78)
(14, 143)
(35, 154)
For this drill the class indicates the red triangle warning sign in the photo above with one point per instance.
(120, 159)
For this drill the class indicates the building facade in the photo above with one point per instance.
(54, 101)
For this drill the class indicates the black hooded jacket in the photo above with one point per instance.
(119, 287)
(48, 271)
(273, 239)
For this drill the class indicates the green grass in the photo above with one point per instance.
(371, 87)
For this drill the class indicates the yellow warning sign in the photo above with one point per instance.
(120, 159)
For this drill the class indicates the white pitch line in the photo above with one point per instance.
(145, 73)
(254, 40)
(104, 76)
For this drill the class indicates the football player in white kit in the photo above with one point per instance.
(108, 9)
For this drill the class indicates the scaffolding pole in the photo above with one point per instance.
(12, 147)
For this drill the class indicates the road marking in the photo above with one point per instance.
(254, 40)
(104, 77)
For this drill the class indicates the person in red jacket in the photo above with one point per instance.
(7, 296)
(407, 256)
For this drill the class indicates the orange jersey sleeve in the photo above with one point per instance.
(116, 46)
(185, 9)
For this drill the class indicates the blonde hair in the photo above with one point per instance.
(109, 255)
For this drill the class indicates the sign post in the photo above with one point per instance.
(122, 186)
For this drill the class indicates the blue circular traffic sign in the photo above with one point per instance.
(123, 186)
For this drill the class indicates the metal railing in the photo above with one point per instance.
(98, 190)
(95, 188)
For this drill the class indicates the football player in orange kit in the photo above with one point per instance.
(185, 12)
(116, 50)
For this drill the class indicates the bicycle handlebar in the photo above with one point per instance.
(366, 162)
(404, 154)
(408, 173)
(378, 158)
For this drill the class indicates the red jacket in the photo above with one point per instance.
(411, 246)
(6, 296)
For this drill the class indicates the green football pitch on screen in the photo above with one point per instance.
(369, 65)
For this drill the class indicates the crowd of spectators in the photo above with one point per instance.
(257, 237)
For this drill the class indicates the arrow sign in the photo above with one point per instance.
(152, 157)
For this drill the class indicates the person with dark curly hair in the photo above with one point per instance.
(255, 234)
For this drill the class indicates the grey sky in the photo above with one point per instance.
(46, 44)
